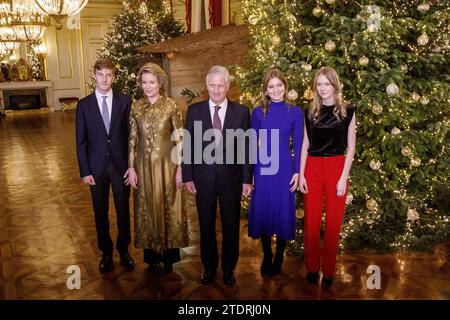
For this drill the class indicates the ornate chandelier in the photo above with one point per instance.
(24, 18)
(59, 9)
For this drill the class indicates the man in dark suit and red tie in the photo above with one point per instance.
(225, 178)
(102, 127)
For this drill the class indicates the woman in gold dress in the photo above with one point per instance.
(160, 219)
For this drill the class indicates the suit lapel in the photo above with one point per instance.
(114, 112)
(95, 110)
(228, 116)
(206, 117)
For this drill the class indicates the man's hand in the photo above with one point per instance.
(190, 186)
(89, 180)
(247, 189)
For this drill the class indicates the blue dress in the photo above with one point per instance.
(272, 205)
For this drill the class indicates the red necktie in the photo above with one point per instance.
(216, 120)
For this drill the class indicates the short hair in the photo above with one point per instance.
(104, 63)
(215, 70)
(159, 73)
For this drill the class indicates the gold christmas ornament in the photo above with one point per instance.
(306, 67)
(412, 215)
(377, 109)
(406, 151)
(424, 100)
(395, 131)
(423, 39)
(317, 12)
(299, 213)
(349, 198)
(375, 164)
(392, 89)
(424, 7)
(330, 45)
(372, 204)
(308, 94)
(415, 96)
(364, 61)
(252, 19)
(292, 94)
(415, 162)
(330, 1)
(404, 68)
(276, 40)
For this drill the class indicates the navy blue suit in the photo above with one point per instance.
(218, 181)
(105, 157)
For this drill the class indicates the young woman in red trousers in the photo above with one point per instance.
(327, 154)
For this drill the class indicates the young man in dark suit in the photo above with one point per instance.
(223, 177)
(102, 127)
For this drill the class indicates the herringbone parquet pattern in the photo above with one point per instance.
(46, 224)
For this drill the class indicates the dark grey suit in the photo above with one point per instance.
(218, 181)
(104, 156)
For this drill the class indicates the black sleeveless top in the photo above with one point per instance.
(328, 135)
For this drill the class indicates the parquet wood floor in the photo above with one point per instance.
(46, 224)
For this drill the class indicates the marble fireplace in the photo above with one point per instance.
(25, 95)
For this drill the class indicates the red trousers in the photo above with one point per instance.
(322, 175)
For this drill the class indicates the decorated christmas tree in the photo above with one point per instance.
(141, 23)
(393, 60)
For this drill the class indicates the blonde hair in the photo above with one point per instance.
(159, 73)
(340, 106)
(269, 75)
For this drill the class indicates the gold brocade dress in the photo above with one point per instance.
(160, 219)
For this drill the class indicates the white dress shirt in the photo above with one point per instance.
(222, 111)
(109, 98)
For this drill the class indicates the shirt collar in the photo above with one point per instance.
(223, 105)
(100, 95)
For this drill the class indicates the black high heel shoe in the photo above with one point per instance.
(327, 281)
(312, 277)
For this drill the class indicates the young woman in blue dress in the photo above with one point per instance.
(272, 206)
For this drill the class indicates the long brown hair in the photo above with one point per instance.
(270, 74)
(339, 110)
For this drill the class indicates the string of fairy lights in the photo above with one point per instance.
(274, 37)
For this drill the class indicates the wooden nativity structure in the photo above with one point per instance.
(187, 59)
